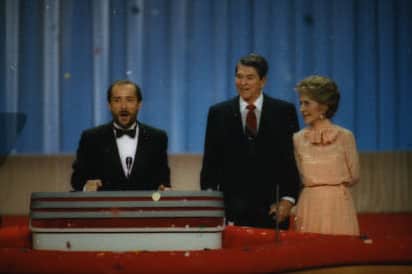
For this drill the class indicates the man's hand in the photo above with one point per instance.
(282, 211)
(164, 188)
(92, 185)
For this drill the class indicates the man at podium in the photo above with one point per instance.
(123, 154)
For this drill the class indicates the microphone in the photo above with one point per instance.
(129, 161)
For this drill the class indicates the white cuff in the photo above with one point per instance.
(290, 199)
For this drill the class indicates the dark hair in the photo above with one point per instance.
(124, 82)
(257, 61)
(322, 90)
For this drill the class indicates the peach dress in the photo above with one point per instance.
(328, 164)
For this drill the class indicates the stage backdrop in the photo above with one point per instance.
(58, 57)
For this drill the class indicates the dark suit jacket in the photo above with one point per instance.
(98, 158)
(247, 171)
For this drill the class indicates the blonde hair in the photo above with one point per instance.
(322, 90)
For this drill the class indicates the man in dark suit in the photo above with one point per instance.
(124, 154)
(249, 150)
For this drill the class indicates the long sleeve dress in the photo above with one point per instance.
(328, 164)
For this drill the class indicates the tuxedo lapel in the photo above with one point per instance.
(141, 149)
(112, 152)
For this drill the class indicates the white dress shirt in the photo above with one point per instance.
(127, 146)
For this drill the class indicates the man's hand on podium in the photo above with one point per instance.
(164, 188)
(92, 185)
(282, 211)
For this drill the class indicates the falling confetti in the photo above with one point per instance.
(98, 51)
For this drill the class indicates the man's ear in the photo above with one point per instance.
(264, 80)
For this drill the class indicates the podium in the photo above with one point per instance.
(127, 220)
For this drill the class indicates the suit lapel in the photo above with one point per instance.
(237, 117)
(264, 116)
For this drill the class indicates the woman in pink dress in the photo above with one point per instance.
(327, 160)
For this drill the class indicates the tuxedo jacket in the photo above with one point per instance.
(247, 171)
(98, 158)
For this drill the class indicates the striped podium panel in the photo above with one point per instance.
(127, 220)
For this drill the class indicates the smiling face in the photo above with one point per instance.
(248, 83)
(312, 111)
(124, 104)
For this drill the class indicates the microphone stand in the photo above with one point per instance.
(129, 161)
(277, 232)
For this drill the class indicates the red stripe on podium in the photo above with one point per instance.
(128, 223)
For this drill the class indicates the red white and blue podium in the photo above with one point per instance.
(127, 221)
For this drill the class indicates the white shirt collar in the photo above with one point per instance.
(258, 103)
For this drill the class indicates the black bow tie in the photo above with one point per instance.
(120, 132)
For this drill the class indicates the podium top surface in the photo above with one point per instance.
(129, 194)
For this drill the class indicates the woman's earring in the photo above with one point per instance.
(321, 117)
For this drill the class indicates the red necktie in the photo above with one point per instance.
(251, 122)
